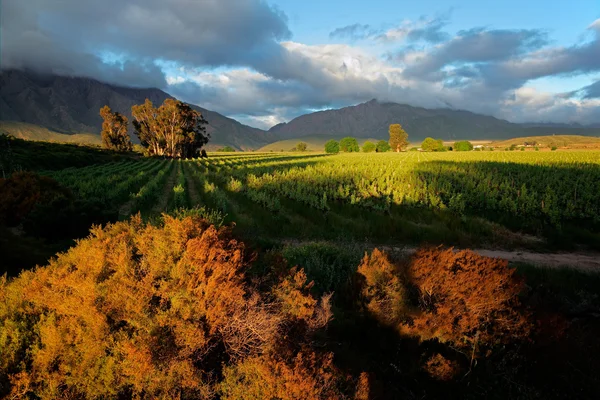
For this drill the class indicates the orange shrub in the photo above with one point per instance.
(137, 310)
(308, 376)
(461, 298)
(440, 368)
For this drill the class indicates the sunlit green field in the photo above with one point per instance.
(469, 198)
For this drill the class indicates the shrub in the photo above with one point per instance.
(332, 147)
(138, 310)
(301, 146)
(554, 148)
(226, 149)
(463, 145)
(23, 192)
(383, 146)
(349, 145)
(430, 144)
(463, 299)
(305, 377)
(368, 147)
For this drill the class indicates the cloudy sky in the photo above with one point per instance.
(265, 62)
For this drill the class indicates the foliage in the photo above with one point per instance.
(430, 144)
(307, 376)
(349, 145)
(398, 137)
(226, 149)
(301, 146)
(368, 147)
(463, 145)
(463, 299)
(154, 311)
(114, 130)
(332, 147)
(173, 130)
(22, 192)
(383, 146)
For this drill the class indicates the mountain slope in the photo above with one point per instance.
(71, 105)
(372, 119)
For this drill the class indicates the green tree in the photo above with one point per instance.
(226, 149)
(172, 130)
(431, 144)
(349, 145)
(398, 137)
(383, 146)
(301, 146)
(332, 147)
(369, 147)
(114, 130)
(463, 145)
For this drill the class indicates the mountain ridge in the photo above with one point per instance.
(70, 105)
(372, 119)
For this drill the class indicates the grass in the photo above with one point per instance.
(27, 131)
(560, 141)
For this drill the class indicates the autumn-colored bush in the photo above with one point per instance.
(440, 368)
(308, 376)
(460, 298)
(154, 311)
(22, 192)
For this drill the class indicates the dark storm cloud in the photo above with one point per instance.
(476, 46)
(76, 35)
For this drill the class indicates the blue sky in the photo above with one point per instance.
(266, 62)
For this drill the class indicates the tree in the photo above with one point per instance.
(383, 146)
(332, 147)
(301, 146)
(463, 145)
(398, 137)
(226, 149)
(368, 147)
(114, 130)
(173, 130)
(431, 144)
(349, 145)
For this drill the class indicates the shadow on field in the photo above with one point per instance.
(452, 203)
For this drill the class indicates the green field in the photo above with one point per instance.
(466, 199)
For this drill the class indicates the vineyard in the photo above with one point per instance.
(473, 198)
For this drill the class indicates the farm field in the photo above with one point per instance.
(465, 199)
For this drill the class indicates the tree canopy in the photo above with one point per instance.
(114, 130)
(463, 145)
(301, 146)
(383, 146)
(431, 144)
(368, 147)
(226, 149)
(332, 146)
(173, 130)
(349, 145)
(398, 137)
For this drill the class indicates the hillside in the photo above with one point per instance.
(570, 141)
(71, 105)
(314, 142)
(27, 131)
(372, 119)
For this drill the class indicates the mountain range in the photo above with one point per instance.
(70, 105)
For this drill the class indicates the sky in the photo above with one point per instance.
(267, 62)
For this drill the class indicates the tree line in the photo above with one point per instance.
(398, 142)
(173, 130)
